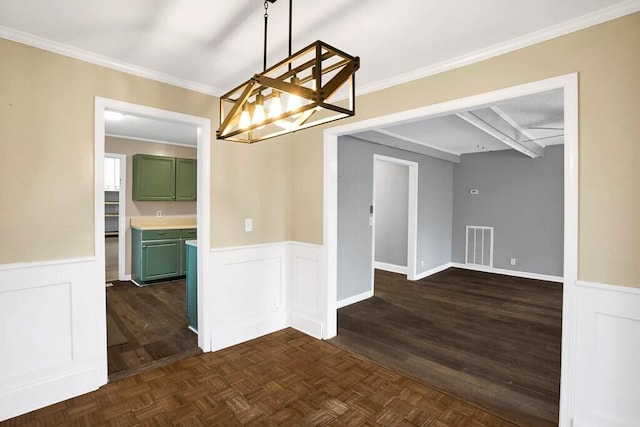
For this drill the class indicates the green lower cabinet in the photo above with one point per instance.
(158, 254)
(161, 259)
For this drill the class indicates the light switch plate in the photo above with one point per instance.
(248, 225)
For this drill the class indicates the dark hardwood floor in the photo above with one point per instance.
(489, 339)
(152, 321)
(282, 379)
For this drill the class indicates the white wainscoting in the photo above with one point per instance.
(52, 333)
(248, 292)
(260, 289)
(306, 301)
(607, 387)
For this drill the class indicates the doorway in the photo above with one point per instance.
(568, 84)
(203, 135)
(394, 215)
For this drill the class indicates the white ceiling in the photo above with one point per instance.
(214, 45)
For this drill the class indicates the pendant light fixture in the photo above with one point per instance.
(313, 86)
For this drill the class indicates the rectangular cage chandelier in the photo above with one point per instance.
(313, 86)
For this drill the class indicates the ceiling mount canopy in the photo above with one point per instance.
(313, 86)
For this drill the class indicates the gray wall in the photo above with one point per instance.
(355, 195)
(391, 212)
(522, 198)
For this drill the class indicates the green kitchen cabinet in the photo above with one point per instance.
(159, 254)
(158, 178)
(156, 254)
(186, 179)
(192, 284)
(154, 177)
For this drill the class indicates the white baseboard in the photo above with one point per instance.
(514, 273)
(354, 299)
(432, 271)
(393, 268)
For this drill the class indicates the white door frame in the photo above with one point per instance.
(122, 213)
(412, 219)
(203, 206)
(569, 84)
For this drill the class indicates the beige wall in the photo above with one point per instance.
(46, 158)
(46, 142)
(607, 58)
(134, 208)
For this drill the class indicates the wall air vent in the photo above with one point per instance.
(479, 246)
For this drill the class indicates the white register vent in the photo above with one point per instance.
(479, 245)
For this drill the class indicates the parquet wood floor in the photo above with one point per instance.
(490, 339)
(282, 379)
(154, 321)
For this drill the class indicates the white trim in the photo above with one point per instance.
(40, 264)
(433, 271)
(400, 269)
(504, 272)
(203, 207)
(122, 213)
(569, 83)
(608, 287)
(354, 299)
(103, 61)
(586, 21)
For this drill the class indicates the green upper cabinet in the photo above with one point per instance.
(186, 178)
(163, 178)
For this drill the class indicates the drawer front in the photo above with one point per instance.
(189, 234)
(160, 234)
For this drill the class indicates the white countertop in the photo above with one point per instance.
(163, 223)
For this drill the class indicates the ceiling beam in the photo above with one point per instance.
(495, 124)
(390, 139)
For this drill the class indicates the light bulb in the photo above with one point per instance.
(275, 109)
(245, 118)
(258, 110)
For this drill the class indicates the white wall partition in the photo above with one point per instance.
(306, 308)
(248, 292)
(260, 289)
(608, 352)
(52, 341)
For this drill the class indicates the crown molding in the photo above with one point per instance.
(104, 61)
(585, 21)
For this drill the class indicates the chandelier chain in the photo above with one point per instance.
(266, 21)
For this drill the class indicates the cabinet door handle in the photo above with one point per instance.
(162, 234)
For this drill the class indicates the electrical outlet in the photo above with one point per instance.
(248, 225)
(158, 214)
(421, 263)
(513, 261)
